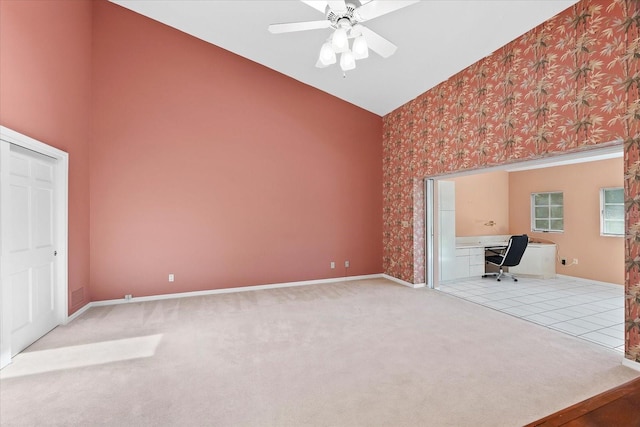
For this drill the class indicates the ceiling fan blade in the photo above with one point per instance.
(298, 26)
(377, 43)
(319, 5)
(376, 8)
(338, 6)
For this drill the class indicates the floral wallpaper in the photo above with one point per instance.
(565, 86)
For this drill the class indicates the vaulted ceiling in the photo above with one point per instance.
(435, 39)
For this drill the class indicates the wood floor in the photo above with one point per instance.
(619, 407)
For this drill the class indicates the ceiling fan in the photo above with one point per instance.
(346, 18)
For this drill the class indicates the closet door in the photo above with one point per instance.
(29, 299)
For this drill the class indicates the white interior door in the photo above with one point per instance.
(29, 307)
(33, 225)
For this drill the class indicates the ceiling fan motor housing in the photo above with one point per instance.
(338, 19)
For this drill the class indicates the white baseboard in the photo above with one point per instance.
(79, 312)
(631, 364)
(402, 282)
(582, 279)
(222, 291)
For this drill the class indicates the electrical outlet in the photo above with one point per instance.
(333, 264)
(575, 261)
(128, 297)
(346, 264)
(172, 278)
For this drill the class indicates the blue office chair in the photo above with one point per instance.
(509, 257)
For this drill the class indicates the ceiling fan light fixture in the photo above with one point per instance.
(347, 61)
(319, 64)
(360, 48)
(340, 40)
(356, 30)
(327, 55)
(344, 17)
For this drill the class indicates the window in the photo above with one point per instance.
(547, 212)
(612, 211)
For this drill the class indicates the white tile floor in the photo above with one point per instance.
(591, 311)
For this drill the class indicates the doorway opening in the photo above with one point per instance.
(444, 249)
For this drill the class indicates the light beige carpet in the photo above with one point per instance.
(365, 353)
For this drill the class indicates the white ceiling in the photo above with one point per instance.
(435, 39)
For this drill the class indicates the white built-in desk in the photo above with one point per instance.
(539, 259)
(470, 260)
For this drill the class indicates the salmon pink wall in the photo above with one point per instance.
(599, 257)
(45, 89)
(220, 171)
(481, 198)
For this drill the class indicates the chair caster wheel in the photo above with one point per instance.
(498, 280)
(515, 280)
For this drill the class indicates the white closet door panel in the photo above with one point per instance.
(43, 173)
(18, 166)
(21, 295)
(43, 218)
(20, 233)
(30, 253)
(43, 290)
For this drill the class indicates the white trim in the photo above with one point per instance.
(79, 312)
(61, 225)
(402, 282)
(597, 282)
(239, 289)
(606, 151)
(225, 291)
(429, 233)
(591, 153)
(5, 319)
(631, 364)
(549, 218)
(602, 212)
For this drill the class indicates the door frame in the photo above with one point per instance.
(430, 262)
(61, 176)
(592, 153)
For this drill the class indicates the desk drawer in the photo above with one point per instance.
(462, 251)
(476, 256)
